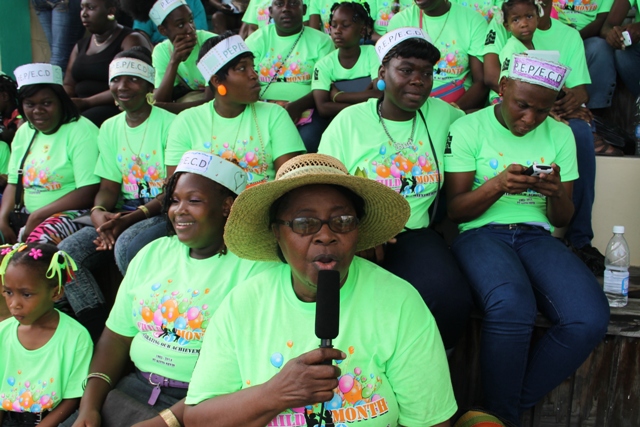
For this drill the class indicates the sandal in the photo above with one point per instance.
(603, 148)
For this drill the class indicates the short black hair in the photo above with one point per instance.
(413, 48)
(361, 13)
(9, 86)
(137, 52)
(137, 9)
(224, 71)
(70, 112)
(509, 4)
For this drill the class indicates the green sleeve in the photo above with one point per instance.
(478, 27)
(83, 151)
(160, 59)
(322, 74)
(327, 46)
(314, 7)
(566, 156)
(255, 42)
(459, 155)
(5, 155)
(251, 14)
(576, 59)
(82, 350)
(178, 141)
(119, 320)
(288, 138)
(495, 38)
(374, 64)
(332, 138)
(605, 6)
(399, 20)
(107, 167)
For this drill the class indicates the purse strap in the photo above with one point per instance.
(19, 200)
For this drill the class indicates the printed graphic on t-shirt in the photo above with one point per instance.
(491, 38)
(37, 177)
(497, 166)
(452, 63)
(141, 177)
(172, 319)
(388, 11)
(244, 153)
(576, 5)
(29, 395)
(293, 70)
(484, 8)
(357, 398)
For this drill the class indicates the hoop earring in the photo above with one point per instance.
(222, 90)
(150, 99)
(381, 85)
(111, 17)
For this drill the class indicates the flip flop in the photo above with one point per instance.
(603, 148)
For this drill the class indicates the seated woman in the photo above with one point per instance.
(177, 76)
(53, 149)
(286, 53)
(162, 336)
(400, 142)
(458, 33)
(346, 76)
(515, 266)
(132, 172)
(151, 30)
(259, 136)
(315, 216)
(87, 76)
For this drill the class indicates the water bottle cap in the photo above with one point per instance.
(618, 229)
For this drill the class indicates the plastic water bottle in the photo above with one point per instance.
(616, 273)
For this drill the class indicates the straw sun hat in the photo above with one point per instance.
(248, 233)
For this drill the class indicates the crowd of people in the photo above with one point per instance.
(222, 171)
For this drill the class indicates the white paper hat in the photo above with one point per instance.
(535, 67)
(397, 36)
(162, 8)
(217, 169)
(38, 73)
(132, 67)
(221, 54)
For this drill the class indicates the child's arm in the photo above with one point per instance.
(60, 413)
(182, 47)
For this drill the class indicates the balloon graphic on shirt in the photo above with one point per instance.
(16, 406)
(334, 403)
(383, 150)
(197, 322)
(183, 306)
(147, 314)
(11, 381)
(395, 171)
(277, 359)
(383, 171)
(35, 408)
(355, 394)
(422, 160)
(367, 391)
(298, 410)
(180, 323)
(357, 371)
(157, 317)
(155, 286)
(416, 170)
(6, 405)
(493, 163)
(131, 179)
(193, 313)
(419, 189)
(345, 383)
(26, 400)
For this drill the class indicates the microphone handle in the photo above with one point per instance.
(326, 343)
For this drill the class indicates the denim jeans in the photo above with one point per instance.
(602, 70)
(513, 275)
(422, 258)
(60, 20)
(627, 64)
(83, 293)
(312, 133)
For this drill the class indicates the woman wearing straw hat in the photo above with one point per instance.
(163, 309)
(506, 213)
(400, 141)
(259, 364)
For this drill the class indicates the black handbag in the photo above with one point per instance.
(18, 217)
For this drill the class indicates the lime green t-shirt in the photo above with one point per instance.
(458, 34)
(167, 306)
(559, 37)
(384, 11)
(5, 154)
(38, 380)
(134, 157)
(387, 378)
(254, 141)
(408, 168)
(512, 47)
(257, 13)
(293, 80)
(188, 72)
(323, 8)
(486, 8)
(329, 70)
(480, 143)
(57, 164)
(634, 3)
(580, 13)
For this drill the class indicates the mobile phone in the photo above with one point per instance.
(627, 38)
(536, 170)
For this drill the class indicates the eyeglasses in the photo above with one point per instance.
(307, 225)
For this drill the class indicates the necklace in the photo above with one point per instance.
(395, 144)
(443, 26)
(138, 160)
(95, 40)
(275, 74)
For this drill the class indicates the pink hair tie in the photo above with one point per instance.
(35, 253)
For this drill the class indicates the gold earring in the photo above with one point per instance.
(150, 99)
(111, 17)
(116, 102)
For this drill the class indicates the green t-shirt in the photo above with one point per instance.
(409, 169)
(323, 8)
(384, 11)
(480, 143)
(167, 306)
(580, 13)
(634, 3)
(387, 378)
(559, 37)
(188, 72)
(57, 164)
(328, 70)
(134, 157)
(458, 34)
(5, 154)
(38, 380)
(294, 74)
(253, 147)
(512, 47)
(257, 13)
(484, 7)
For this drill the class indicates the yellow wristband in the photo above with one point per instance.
(336, 95)
(170, 419)
(98, 208)
(144, 209)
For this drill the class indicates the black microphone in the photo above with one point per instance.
(328, 307)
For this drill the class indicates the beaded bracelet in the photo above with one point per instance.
(100, 375)
(336, 95)
(144, 209)
(98, 208)
(169, 417)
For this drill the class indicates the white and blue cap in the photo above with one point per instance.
(132, 67)
(217, 169)
(38, 73)
(220, 55)
(162, 8)
(397, 36)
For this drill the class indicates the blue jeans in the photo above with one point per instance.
(312, 133)
(602, 70)
(60, 20)
(513, 275)
(627, 64)
(580, 231)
